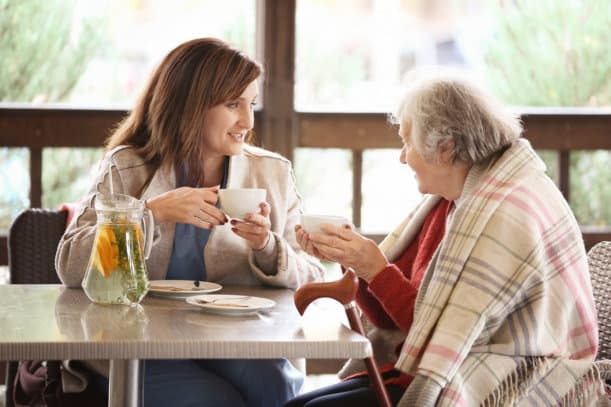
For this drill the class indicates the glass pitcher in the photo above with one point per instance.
(116, 272)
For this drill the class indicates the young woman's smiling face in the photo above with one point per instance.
(226, 125)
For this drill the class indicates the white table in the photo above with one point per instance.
(56, 323)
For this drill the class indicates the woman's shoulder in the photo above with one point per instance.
(263, 165)
(261, 154)
(124, 156)
(133, 170)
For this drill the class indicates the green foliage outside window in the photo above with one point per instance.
(48, 50)
(45, 47)
(556, 53)
(552, 53)
(43, 52)
(67, 174)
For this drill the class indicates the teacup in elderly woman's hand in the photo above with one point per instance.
(312, 223)
(334, 239)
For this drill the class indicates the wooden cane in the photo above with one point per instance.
(344, 291)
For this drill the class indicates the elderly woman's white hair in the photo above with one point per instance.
(444, 107)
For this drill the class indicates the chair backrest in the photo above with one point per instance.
(32, 243)
(599, 261)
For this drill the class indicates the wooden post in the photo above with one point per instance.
(357, 187)
(35, 177)
(276, 35)
(564, 162)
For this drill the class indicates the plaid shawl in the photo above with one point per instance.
(505, 313)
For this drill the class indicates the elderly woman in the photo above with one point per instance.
(491, 266)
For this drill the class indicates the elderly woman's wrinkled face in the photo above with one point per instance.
(432, 176)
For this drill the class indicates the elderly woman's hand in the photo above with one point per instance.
(255, 227)
(195, 206)
(303, 239)
(345, 246)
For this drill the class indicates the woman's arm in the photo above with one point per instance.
(396, 296)
(372, 308)
(130, 176)
(195, 206)
(293, 266)
(396, 286)
(74, 248)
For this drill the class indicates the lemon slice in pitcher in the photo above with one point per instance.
(107, 254)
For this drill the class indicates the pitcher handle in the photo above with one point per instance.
(149, 231)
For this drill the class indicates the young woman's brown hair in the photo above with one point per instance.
(167, 120)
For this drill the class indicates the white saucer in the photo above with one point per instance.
(230, 304)
(180, 289)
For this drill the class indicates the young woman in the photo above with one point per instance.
(186, 138)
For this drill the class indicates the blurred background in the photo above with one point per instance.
(349, 57)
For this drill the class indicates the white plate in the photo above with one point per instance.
(230, 304)
(180, 289)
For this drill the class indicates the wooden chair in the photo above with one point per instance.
(32, 243)
(344, 291)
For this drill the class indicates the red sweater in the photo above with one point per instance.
(389, 298)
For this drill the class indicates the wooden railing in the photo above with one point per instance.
(562, 130)
(280, 128)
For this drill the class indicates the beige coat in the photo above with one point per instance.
(228, 258)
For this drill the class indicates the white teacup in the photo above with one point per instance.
(239, 202)
(311, 223)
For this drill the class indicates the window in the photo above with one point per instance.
(15, 181)
(351, 55)
(89, 53)
(103, 52)
(68, 174)
(324, 179)
(390, 191)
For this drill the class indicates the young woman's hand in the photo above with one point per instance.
(348, 248)
(195, 206)
(255, 227)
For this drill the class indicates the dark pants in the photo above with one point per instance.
(353, 392)
(218, 383)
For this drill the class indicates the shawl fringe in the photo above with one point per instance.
(587, 391)
(515, 386)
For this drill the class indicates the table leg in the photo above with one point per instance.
(126, 381)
